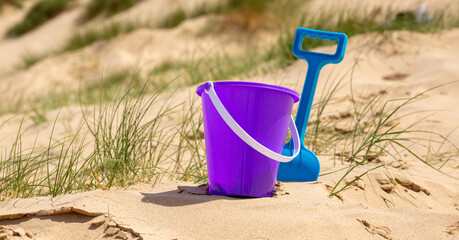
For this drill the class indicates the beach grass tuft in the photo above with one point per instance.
(41, 12)
(29, 59)
(126, 147)
(107, 32)
(174, 19)
(371, 134)
(108, 7)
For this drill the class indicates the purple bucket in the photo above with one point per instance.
(264, 112)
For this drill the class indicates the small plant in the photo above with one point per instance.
(108, 7)
(114, 29)
(38, 116)
(371, 132)
(126, 145)
(178, 16)
(40, 13)
(173, 20)
(108, 87)
(219, 67)
(29, 60)
(36, 171)
(127, 148)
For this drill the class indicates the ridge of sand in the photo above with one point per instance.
(161, 212)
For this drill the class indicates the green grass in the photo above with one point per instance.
(114, 29)
(174, 19)
(372, 132)
(127, 147)
(28, 60)
(105, 89)
(190, 160)
(38, 171)
(126, 144)
(108, 7)
(108, 87)
(40, 13)
(179, 15)
(219, 67)
(89, 36)
(107, 32)
(225, 67)
(369, 132)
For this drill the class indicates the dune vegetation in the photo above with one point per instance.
(123, 146)
(40, 13)
(97, 7)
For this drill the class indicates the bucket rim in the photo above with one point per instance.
(291, 92)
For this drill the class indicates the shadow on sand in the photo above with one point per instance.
(185, 195)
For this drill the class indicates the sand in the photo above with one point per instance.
(161, 212)
(405, 200)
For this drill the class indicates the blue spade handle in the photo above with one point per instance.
(315, 63)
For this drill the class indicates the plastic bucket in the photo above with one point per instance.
(236, 164)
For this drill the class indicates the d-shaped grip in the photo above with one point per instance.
(319, 58)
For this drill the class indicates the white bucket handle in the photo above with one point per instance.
(246, 137)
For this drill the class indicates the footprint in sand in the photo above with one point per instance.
(338, 195)
(395, 77)
(399, 164)
(14, 233)
(357, 183)
(411, 185)
(380, 230)
(386, 184)
(111, 228)
(453, 229)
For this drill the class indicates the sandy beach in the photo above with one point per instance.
(406, 191)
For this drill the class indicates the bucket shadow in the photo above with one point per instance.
(185, 195)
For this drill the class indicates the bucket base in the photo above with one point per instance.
(216, 189)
